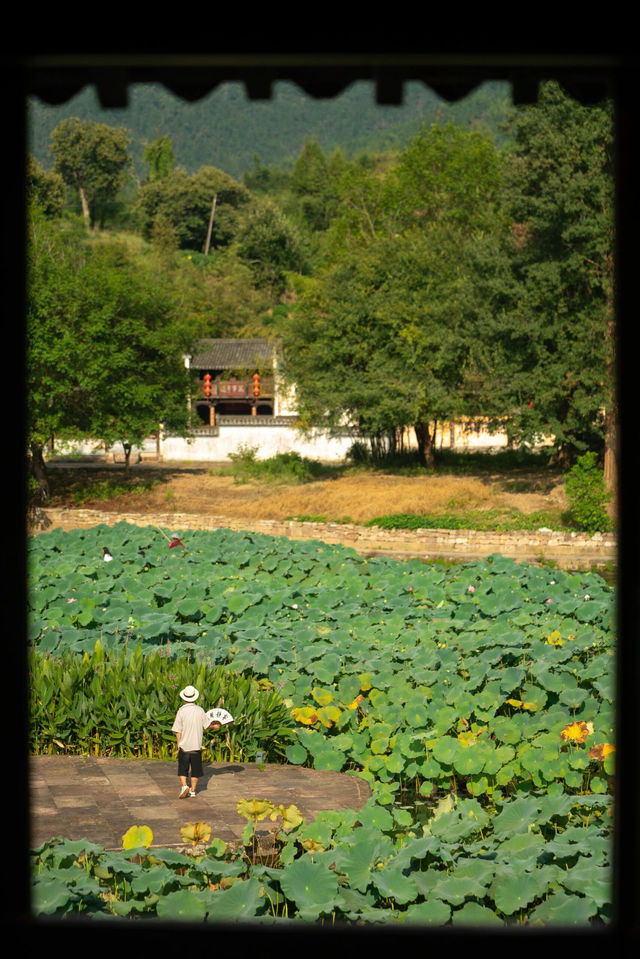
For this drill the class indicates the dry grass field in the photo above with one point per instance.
(355, 495)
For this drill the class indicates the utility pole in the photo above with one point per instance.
(213, 210)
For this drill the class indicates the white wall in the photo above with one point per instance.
(268, 440)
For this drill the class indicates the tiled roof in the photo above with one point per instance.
(233, 354)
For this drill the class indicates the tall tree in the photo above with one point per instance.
(270, 244)
(551, 325)
(45, 189)
(382, 339)
(93, 159)
(160, 158)
(185, 201)
(104, 342)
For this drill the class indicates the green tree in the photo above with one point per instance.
(160, 158)
(311, 183)
(549, 322)
(270, 245)
(45, 189)
(186, 202)
(93, 159)
(383, 339)
(378, 342)
(104, 342)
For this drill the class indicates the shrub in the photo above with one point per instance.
(121, 703)
(587, 495)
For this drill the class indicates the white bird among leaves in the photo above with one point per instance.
(107, 555)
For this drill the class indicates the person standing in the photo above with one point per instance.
(189, 725)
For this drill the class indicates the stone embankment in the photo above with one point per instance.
(563, 549)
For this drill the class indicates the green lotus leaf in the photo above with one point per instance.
(473, 914)
(51, 895)
(310, 885)
(376, 817)
(416, 715)
(433, 912)
(573, 698)
(446, 750)
(392, 883)
(594, 882)
(455, 889)
(512, 892)
(470, 761)
(183, 904)
(357, 862)
(515, 816)
(561, 909)
(238, 602)
(296, 754)
(328, 758)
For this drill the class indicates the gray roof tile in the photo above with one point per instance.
(222, 354)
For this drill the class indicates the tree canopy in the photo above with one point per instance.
(104, 341)
(92, 158)
(548, 312)
(381, 339)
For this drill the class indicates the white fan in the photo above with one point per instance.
(219, 716)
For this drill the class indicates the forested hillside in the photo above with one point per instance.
(226, 130)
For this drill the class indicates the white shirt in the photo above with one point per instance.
(190, 722)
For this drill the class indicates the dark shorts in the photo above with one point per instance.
(190, 761)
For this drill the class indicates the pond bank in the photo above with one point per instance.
(564, 550)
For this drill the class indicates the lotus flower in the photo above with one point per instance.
(576, 732)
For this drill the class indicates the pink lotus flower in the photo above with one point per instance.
(71, 600)
(548, 601)
(471, 589)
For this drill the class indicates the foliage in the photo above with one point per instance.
(476, 700)
(227, 128)
(105, 333)
(280, 468)
(93, 159)
(123, 703)
(543, 296)
(380, 339)
(160, 158)
(485, 519)
(186, 202)
(44, 189)
(270, 245)
(587, 495)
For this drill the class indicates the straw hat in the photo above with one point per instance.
(189, 694)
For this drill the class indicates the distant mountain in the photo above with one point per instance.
(226, 129)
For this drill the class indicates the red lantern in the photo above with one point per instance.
(256, 384)
(207, 384)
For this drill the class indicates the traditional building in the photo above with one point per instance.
(236, 378)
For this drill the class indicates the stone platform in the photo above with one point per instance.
(82, 797)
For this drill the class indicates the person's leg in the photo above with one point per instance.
(196, 770)
(183, 769)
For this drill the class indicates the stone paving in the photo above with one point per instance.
(83, 797)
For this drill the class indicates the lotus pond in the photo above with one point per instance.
(476, 700)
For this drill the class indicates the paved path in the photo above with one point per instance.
(81, 797)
